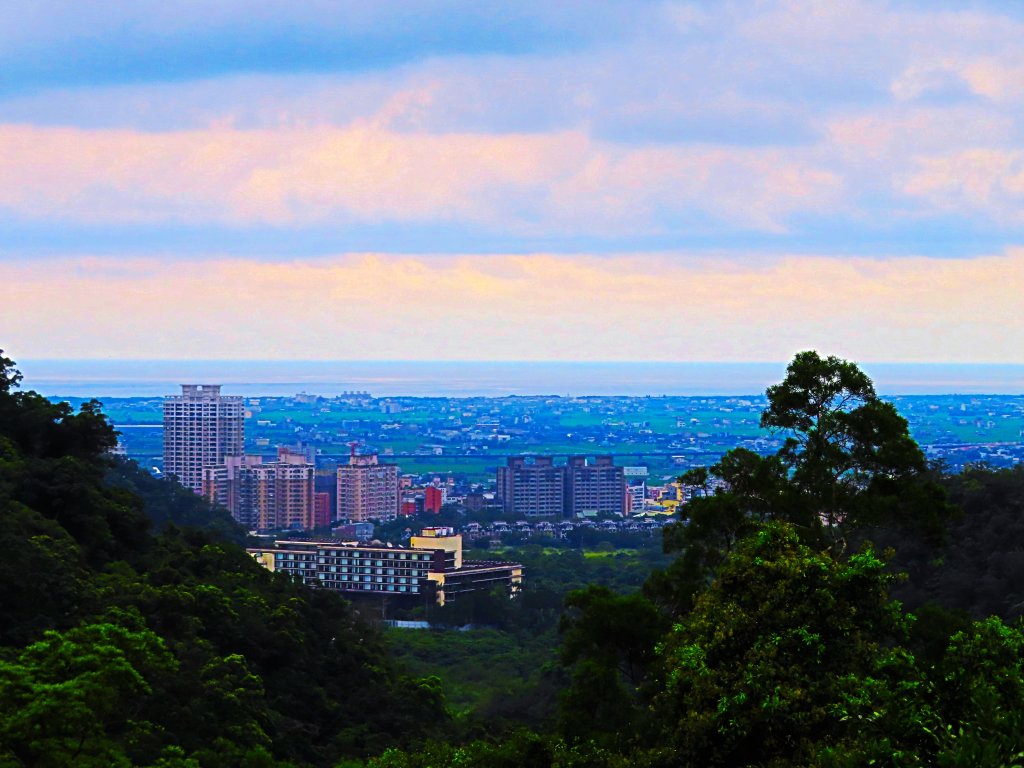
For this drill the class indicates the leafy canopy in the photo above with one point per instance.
(847, 462)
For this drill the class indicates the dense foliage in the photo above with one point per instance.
(135, 631)
(124, 646)
(772, 638)
(980, 570)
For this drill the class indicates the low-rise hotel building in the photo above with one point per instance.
(430, 568)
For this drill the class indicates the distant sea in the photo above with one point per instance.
(150, 378)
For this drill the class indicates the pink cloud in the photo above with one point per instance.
(536, 306)
(815, 107)
(987, 182)
(365, 172)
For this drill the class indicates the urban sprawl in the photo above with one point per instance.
(314, 475)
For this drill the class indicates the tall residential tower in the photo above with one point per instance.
(535, 486)
(201, 428)
(598, 488)
(532, 486)
(367, 490)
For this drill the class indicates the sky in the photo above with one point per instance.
(729, 181)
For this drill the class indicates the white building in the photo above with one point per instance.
(201, 428)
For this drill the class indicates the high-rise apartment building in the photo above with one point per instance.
(367, 490)
(532, 486)
(535, 486)
(201, 429)
(265, 495)
(597, 488)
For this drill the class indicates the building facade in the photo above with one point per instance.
(636, 497)
(532, 486)
(431, 568)
(597, 488)
(265, 495)
(535, 486)
(367, 490)
(201, 428)
(321, 509)
(434, 498)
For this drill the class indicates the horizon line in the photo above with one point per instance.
(528, 361)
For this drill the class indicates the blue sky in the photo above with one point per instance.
(445, 180)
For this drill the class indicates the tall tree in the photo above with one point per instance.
(850, 458)
(847, 462)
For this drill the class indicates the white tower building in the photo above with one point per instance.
(201, 428)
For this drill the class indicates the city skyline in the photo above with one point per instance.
(572, 181)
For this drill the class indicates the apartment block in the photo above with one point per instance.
(367, 490)
(201, 428)
(597, 488)
(532, 486)
(321, 509)
(434, 498)
(265, 495)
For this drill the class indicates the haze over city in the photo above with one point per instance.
(571, 181)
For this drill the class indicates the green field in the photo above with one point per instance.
(699, 429)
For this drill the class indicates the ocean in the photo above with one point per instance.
(150, 378)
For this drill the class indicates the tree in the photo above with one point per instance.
(10, 377)
(847, 463)
(730, 500)
(850, 457)
(175, 648)
(74, 698)
(772, 663)
(609, 639)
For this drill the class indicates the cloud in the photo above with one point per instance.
(558, 182)
(53, 43)
(536, 306)
(974, 182)
(659, 118)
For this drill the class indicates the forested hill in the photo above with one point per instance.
(773, 640)
(124, 642)
(135, 631)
